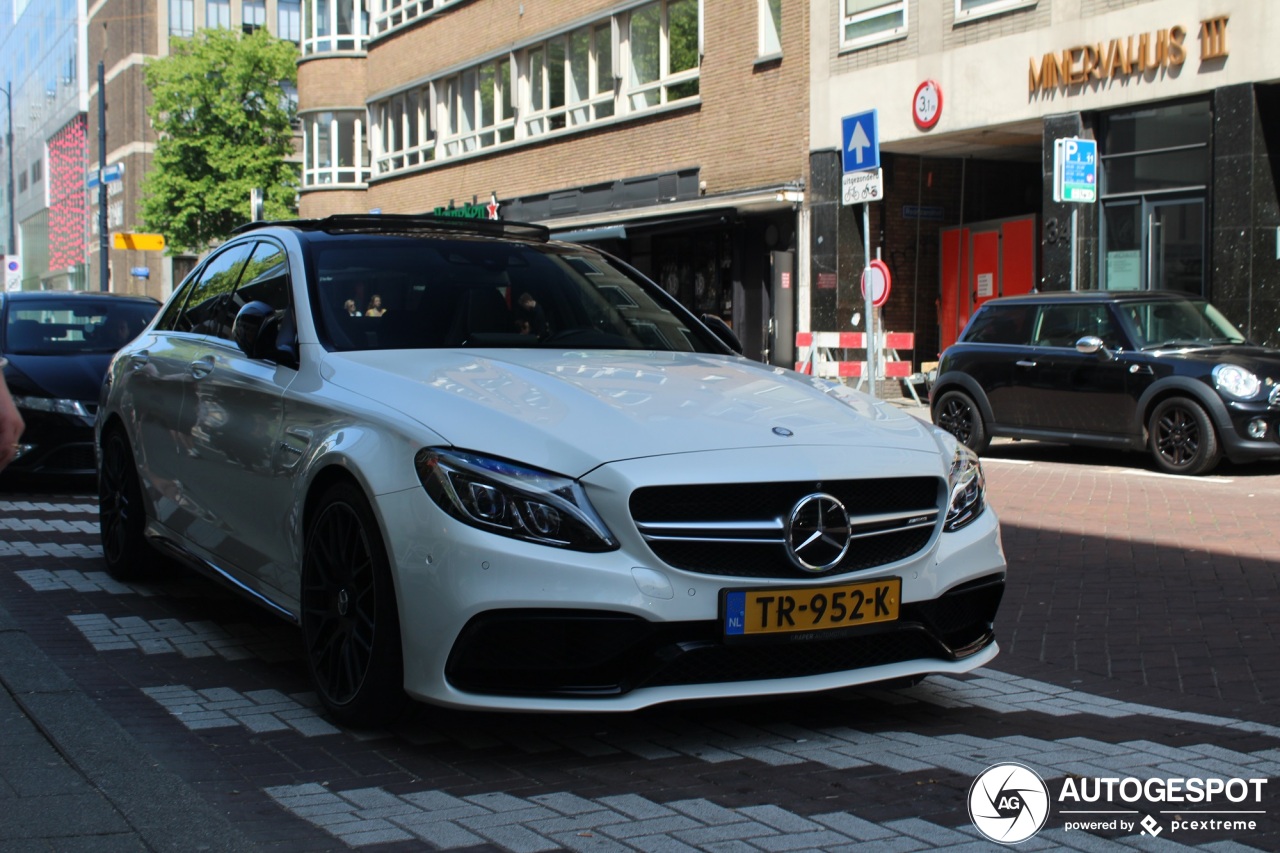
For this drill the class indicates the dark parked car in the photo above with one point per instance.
(1142, 369)
(59, 344)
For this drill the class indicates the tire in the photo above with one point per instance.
(350, 625)
(959, 415)
(1181, 437)
(121, 517)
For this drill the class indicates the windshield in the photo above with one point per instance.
(389, 292)
(72, 325)
(1189, 322)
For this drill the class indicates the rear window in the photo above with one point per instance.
(1001, 324)
(386, 292)
(60, 326)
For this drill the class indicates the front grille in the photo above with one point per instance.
(576, 653)
(738, 529)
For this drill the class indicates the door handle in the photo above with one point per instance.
(138, 360)
(1025, 363)
(201, 367)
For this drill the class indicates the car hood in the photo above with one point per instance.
(63, 377)
(572, 411)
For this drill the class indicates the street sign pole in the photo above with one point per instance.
(868, 298)
(104, 280)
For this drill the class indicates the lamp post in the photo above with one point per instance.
(11, 246)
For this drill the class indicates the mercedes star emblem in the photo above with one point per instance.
(818, 533)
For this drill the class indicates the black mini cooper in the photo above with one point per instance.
(1118, 369)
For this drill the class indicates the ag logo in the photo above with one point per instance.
(1009, 803)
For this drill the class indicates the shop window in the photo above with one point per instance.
(868, 22)
(770, 28)
(967, 10)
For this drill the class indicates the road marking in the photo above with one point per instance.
(50, 549)
(43, 580)
(189, 639)
(563, 820)
(257, 710)
(31, 506)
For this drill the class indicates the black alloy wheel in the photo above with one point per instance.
(349, 621)
(1181, 437)
(121, 517)
(958, 414)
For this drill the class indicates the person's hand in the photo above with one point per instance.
(11, 426)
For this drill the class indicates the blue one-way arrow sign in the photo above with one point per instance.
(860, 142)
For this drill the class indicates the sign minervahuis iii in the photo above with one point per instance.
(1124, 57)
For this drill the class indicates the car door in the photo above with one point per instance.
(993, 344)
(239, 403)
(1065, 390)
(162, 370)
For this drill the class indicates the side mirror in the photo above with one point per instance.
(722, 331)
(260, 332)
(1092, 345)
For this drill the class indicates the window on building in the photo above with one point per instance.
(335, 25)
(969, 9)
(402, 131)
(867, 22)
(217, 13)
(390, 14)
(37, 171)
(253, 15)
(770, 27)
(663, 45)
(182, 17)
(289, 20)
(334, 150)
(480, 107)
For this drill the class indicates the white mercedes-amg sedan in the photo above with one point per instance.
(485, 469)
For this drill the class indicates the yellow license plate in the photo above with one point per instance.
(755, 612)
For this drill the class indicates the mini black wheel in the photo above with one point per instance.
(1181, 437)
(121, 517)
(958, 414)
(350, 625)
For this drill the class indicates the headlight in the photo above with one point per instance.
(968, 489)
(70, 408)
(512, 500)
(1234, 381)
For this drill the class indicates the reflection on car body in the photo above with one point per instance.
(1145, 369)
(467, 509)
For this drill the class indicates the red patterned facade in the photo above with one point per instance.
(67, 207)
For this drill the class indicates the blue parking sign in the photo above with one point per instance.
(1075, 170)
(860, 142)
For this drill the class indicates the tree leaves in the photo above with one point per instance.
(224, 126)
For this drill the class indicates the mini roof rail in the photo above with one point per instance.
(400, 223)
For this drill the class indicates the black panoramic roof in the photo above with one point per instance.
(1094, 296)
(408, 225)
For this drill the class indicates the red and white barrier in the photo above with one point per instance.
(816, 356)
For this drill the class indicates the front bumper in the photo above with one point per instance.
(495, 623)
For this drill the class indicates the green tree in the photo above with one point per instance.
(224, 126)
